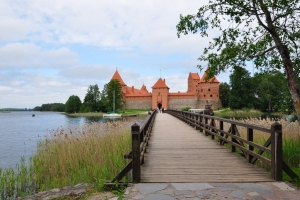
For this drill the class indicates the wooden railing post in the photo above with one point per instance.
(251, 148)
(197, 121)
(200, 123)
(221, 134)
(205, 126)
(276, 151)
(233, 140)
(136, 153)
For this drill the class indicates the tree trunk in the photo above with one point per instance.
(291, 75)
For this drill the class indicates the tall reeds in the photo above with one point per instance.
(290, 136)
(90, 154)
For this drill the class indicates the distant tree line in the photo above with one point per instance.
(109, 99)
(265, 91)
(58, 107)
(15, 109)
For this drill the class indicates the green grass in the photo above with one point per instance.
(88, 154)
(237, 113)
(129, 112)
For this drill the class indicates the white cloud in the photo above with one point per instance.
(44, 47)
(28, 55)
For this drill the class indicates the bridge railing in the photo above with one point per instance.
(228, 131)
(140, 136)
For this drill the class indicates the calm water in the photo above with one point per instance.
(19, 132)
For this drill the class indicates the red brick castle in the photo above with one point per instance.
(199, 92)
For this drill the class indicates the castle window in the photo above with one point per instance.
(208, 89)
(204, 95)
(211, 95)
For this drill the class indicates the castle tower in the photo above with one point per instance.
(208, 89)
(118, 77)
(160, 92)
(193, 81)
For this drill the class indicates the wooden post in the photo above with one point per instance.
(251, 148)
(200, 123)
(221, 134)
(276, 151)
(212, 122)
(136, 153)
(205, 127)
(197, 122)
(232, 139)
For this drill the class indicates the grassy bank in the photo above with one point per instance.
(228, 113)
(125, 113)
(90, 154)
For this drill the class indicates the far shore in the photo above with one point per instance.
(125, 113)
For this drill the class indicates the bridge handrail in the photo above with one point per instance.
(201, 122)
(140, 133)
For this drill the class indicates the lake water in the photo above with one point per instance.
(20, 132)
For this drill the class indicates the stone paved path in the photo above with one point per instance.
(222, 191)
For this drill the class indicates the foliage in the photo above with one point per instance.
(271, 92)
(58, 107)
(224, 91)
(242, 94)
(265, 32)
(92, 98)
(114, 95)
(37, 108)
(104, 99)
(73, 104)
(186, 108)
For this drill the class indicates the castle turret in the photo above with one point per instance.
(160, 92)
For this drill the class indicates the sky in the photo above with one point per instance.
(50, 50)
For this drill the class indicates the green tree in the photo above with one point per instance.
(266, 32)
(73, 104)
(241, 94)
(104, 99)
(92, 98)
(59, 107)
(272, 92)
(224, 91)
(114, 95)
(37, 108)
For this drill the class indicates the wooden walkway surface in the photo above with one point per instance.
(179, 153)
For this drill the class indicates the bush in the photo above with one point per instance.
(186, 108)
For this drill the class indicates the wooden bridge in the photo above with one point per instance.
(178, 153)
(176, 149)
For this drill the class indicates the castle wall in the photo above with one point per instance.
(144, 104)
(216, 103)
(179, 103)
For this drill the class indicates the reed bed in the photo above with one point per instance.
(68, 156)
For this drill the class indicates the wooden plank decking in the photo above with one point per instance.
(179, 153)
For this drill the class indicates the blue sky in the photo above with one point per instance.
(50, 50)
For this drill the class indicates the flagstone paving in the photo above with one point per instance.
(218, 191)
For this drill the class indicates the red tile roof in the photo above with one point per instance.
(211, 80)
(118, 77)
(195, 76)
(160, 84)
